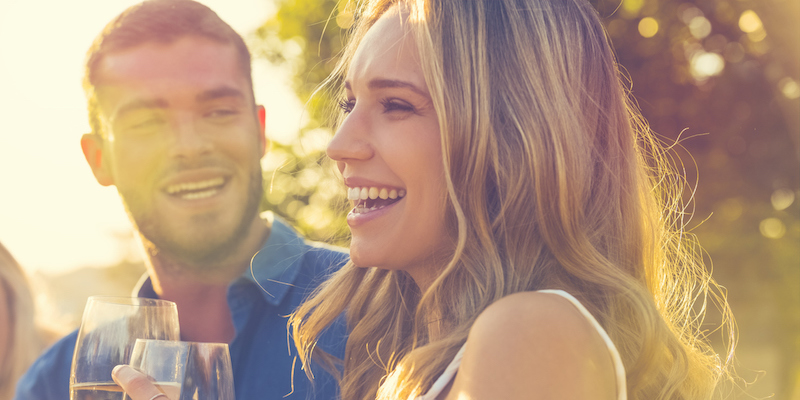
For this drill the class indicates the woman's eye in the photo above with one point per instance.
(391, 105)
(347, 105)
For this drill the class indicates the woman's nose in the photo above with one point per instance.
(352, 140)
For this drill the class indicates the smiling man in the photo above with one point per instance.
(176, 129)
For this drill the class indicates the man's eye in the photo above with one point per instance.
(146, 124)
(347, 105)
(220, 113)
(141, 121)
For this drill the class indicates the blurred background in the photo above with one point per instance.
(721, 78)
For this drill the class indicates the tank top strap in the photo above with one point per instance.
(619, 368)
(444, 379)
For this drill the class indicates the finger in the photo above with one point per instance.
(136, 384)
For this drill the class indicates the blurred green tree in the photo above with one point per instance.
(728, 73)
(305, 37)
(719, 78)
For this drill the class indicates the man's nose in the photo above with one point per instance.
(187, 140)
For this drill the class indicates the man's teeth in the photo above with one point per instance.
(199, 195)
(364, 193)
(196, 190)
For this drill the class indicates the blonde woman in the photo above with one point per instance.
(21, 338)
(534, 249)
(516, 229)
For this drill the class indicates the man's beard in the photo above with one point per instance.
(205, 251)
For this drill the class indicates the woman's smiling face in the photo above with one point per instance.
(389, 152)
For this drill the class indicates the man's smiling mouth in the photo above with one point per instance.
(196, 190)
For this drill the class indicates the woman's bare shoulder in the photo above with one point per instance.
(535, 342)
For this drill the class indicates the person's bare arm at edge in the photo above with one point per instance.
(534, 346)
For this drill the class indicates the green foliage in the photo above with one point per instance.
(720, 77)
(306, 36)
(300, 187)
(729, 71)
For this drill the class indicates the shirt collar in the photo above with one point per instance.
(273, 268)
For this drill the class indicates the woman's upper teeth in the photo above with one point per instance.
(364, 193)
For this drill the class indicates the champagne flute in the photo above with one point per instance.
(109, 329)
(186, 370)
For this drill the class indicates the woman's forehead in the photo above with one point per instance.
(389, 47)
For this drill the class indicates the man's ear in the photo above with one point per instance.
(93, 146)
(262, 129)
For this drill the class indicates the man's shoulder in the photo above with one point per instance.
(48, 376)
(330, 256)
(320, 261)
(318, 256)
(289, 263)
(287, 237)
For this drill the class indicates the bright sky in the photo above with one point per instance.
(54, 217)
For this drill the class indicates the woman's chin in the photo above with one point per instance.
(368, 259)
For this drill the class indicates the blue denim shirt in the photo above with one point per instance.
(283, 273)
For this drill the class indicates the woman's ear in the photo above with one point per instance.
(93, 146)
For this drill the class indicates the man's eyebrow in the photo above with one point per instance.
(159, 103)
(393, 83)
(140, 104)
(220, 92)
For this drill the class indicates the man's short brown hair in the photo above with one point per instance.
(159, 21)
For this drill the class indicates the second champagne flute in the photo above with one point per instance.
(186, 370)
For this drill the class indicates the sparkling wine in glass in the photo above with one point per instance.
(186, 370)
(109, 329)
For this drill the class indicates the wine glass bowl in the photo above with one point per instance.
(108, 332)
(186, 370)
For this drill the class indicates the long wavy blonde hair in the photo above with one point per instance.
(553, 181)
(27, 338)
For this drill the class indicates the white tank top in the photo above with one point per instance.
(619, 370)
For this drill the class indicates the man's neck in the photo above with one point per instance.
(201, 293)
(203, 311)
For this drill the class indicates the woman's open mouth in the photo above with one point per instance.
(366, 199)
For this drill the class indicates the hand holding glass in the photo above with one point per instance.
(184, 370)
(109, 329)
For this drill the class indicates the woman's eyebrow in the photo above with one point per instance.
(380, 83)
